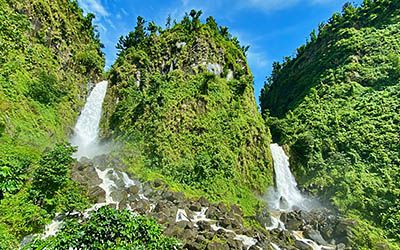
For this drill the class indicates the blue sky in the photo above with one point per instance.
(272, 28)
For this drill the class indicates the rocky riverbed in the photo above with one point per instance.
(200, 224)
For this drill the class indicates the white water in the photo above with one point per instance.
(286, 195)
(87, 127)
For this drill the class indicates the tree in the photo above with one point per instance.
(134, 38)
(52, 173)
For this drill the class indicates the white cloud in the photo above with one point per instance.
(95, 7)
(257, 59)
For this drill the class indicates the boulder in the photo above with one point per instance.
(98, 194)
(133, 190)
(302, 245)
(217, 246)
(315, 236)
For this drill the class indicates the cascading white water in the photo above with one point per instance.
(87, 127)
(286, 194)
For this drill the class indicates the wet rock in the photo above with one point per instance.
(123, 204)
(315, 236)
(119, 195)
(217, 246)
(302, 245)
(98, 194)
(264, 218)
(133, 190)
(340, 246)
(283, 203)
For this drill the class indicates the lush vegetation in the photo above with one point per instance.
(336, 104)
(49, 52)
(108, 228)
(186, 107)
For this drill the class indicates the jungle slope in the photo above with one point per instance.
(183, 99)
(49, 52)
(337, 105)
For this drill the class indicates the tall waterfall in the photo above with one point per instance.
(87, 127)
(286, 195)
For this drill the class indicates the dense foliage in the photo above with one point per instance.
(108, 228)
(49, 52)
(183, 97)
(336, 104)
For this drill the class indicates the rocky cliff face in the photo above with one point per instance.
(183, 97)
(336, 105)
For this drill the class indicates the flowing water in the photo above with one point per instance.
(286, 195)
(87, 127)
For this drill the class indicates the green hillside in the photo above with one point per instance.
(49, 52)
(183, 98)
(336, 104)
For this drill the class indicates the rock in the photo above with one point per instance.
(184, 224)
(226, 223)
(158, 183)
(302, 245)
(343, 231)
(212, 213)
(237, 210)
(217, 246)
(204, 225)
(189, 234)
(382, 246)
(133, 190)
(264, 218)
(283, 203)
(140, 206)
(340, 246)
(173, 231)
(195, 206)
(315, 236)
(123, 204)
(222, 208)
(204, 202)
(119, 195)
(209, 234)
(193, 246)
(98, 193)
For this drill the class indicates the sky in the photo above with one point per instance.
(272, 28)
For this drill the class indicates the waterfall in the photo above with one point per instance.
(286, 195)
(87, 127)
